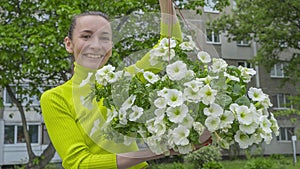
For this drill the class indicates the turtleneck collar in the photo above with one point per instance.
(82, 73)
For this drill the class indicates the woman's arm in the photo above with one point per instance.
(169, 27)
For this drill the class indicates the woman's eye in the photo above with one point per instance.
(86, 36)
(105, 39)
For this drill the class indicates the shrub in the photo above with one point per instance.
(204, 155)
(212, 165)
(259, 163)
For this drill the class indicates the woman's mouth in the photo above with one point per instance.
(94, 56)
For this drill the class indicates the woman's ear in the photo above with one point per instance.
(68, 44)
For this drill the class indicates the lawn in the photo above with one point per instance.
(279, 162)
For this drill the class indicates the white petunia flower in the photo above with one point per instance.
(128, 102)
(267, 137)
(256, 94)
(198, 127)
(105, 70)
(154, 58)
(180, 135)
(256, 138)
(169, 55)
(233, 108)
(177, 114)
(265, 124)
(160, 128)
(195, 85)
(204, 57)
(188, 121)
(168, 43)
(151, 77)
(218, 65)
(246, 73)
(188, 46)
(136, 113)
(212, 123)
(163, 93)
(160, 102)
(122, 116)
(226, 119)
(176, 70)
(243, 139)
(185, 149)
(191, 95)
(207, 94)
(111, 114)
(174, 98)
(213, 110)
(266, 102)
(230, 77)
(248, 129)
(244, 115)
(150, 125)
(160, 114)
(274, 127)
(111, 77)
(207, 79)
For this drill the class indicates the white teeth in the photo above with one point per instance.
(93, 56)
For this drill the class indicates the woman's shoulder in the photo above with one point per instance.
(61, 91)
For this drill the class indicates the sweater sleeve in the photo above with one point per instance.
(67, 137)
(144, 63)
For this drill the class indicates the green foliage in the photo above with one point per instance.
(212, 165)
(273, 24)
(204, 155)
(259, 163)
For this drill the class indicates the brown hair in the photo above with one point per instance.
(74, 19)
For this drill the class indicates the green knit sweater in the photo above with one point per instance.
(70, 124)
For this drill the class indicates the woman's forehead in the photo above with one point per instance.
(92, 23)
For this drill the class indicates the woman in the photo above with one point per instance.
(69, 125)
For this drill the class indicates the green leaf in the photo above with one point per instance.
(243, 100)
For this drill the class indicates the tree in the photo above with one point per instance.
(274, 25)
(32, 52)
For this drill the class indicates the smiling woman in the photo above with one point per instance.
(90, 40)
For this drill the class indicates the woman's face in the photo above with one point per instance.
(91, 43)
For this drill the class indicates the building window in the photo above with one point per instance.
(281, 101)
(285, 133)
(212, 37)
(6, 98)
(26, 98)
(243, 43)
(244, 64)
(210, 6)
(9, 134)
(278, 70)
(13, 134)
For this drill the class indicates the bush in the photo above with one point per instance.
(212, 165)
(204, 155)
(259, 163)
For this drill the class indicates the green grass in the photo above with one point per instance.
(280, 162)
